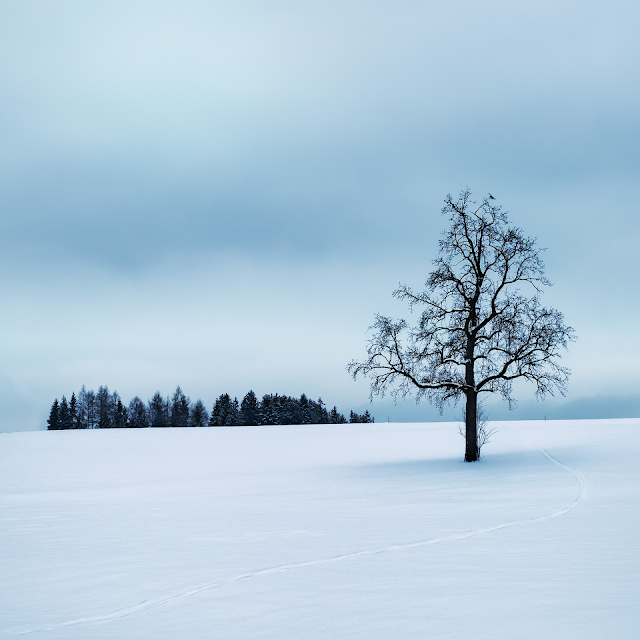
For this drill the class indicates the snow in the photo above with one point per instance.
(346, 531)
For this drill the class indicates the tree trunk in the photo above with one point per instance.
(471, 410)
(471, 414)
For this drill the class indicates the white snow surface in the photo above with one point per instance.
(345, 531)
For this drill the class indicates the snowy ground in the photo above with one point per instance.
(355, 531)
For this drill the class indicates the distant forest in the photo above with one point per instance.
(105, 410)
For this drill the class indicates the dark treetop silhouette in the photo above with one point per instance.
(105, 410)
(482, 326)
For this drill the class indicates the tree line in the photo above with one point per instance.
(105, 410)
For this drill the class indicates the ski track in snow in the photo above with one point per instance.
(151, 604)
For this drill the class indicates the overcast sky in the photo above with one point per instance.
(222, 194)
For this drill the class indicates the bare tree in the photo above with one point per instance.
(482, 326)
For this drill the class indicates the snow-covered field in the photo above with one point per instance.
(355, 531)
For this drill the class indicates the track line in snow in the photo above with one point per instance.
(152, 604)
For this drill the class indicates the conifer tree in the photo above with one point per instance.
(364, 418)
(138, 416)
(321, 414)
(73, 411)
(179, 409)
(218, 413)
(92, 412)
(105, 413)
(267, 410)
(82, 409)
(120, 415)
(199, 416)
(249, 410)
(53, 423)
(234, 413)
(225, 412)
(158, 411)
(65, 418)
(304, 416)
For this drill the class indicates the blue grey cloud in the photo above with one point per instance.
(298, 137)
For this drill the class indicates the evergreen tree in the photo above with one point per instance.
(364, 418)
(219, 411)
(321, 415)
(249, 410)
(234, 414)
(158, 411)
(277, 410)
(179, 409)
(283, 410)
(73, 411)
(335, 417)
(185, 409)
(291, 410)
(105, 410)
(65, 418)
(199, 416)
(304, 412)
(92, 412)
(112, 407)
(267, 414)
(225, 412)
(280, 409)
(82, 409)
(138, 414)
(53, 423)
(120, 415)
